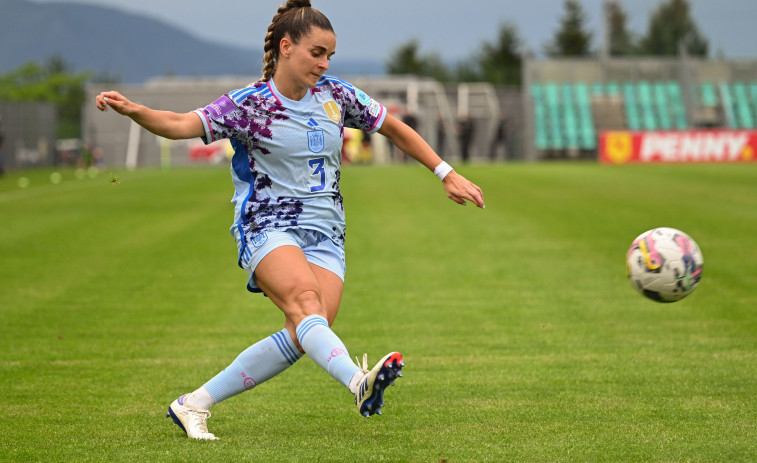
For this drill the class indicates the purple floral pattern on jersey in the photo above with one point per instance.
(256, 123)
(338, 199)
(271, 193)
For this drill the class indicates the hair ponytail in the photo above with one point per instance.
(294, 18)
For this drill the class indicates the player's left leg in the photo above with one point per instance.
(309, 296)
(367, 385)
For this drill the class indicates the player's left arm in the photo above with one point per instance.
(458, 188)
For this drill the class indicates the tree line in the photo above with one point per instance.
(499, 62)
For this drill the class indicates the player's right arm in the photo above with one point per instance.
(166, 124)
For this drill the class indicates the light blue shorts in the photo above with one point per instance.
(318, 248)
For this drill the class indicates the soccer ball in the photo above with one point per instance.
(664, 264)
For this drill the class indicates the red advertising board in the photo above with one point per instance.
(624, 147)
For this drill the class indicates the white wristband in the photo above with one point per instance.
(442, 170)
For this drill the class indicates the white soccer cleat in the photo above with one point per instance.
(190, 419)
(370, 391)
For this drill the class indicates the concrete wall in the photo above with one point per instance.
(28, 132)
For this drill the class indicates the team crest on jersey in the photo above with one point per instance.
(315, 140)
(332, 110)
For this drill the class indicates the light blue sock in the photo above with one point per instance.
(325, 348)
(259, 362)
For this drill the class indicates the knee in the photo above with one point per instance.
(304, 303)
(308, 300)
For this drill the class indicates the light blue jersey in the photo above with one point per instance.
(287, 160)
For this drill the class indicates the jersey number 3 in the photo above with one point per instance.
(317, 168)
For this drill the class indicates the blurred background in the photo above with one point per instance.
(483, 80)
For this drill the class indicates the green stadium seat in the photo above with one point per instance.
(552, 105)
(633, 120)
(536, 92)
(708, 96)
(581, 92)
(569, 117)
(586, 135)
(551, 95)
(648, 120)
(753, 96)
(540, 116)
(662, 105)
(727, 100)
(742, 107)
(613, 88)
(562, 116)
(588, 138)
(678, 109)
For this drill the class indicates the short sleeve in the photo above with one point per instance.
(217, 119)
(363, 112)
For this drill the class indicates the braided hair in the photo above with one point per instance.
(293, 19)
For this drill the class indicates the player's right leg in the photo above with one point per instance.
(192, 420)
(256, 364)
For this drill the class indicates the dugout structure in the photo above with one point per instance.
(434, 109)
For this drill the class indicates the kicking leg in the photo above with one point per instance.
(310, 296)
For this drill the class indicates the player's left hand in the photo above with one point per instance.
(459, 189)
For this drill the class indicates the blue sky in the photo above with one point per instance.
(454, 29)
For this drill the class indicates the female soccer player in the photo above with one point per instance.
(287, 132)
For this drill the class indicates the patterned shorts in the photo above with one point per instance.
(318, 248)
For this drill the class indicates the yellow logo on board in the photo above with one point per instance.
(747, 154)
(332, 110)
(618, 146)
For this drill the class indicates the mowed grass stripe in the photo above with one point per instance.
(523, 339)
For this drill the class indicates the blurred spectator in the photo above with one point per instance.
(366, 152)
(85, 160)
(441, 134)
(410, 119)
(465, 132)
(412, 122)
(500, 138)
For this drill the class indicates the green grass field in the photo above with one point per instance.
(522, 337)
